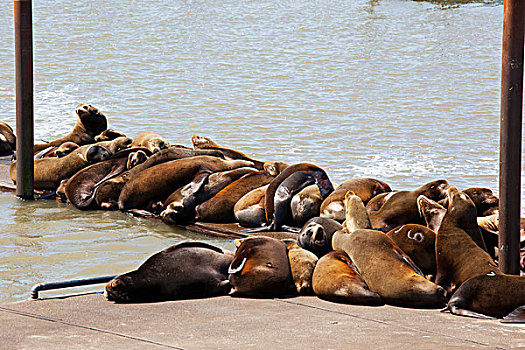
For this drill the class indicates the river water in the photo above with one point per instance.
(403, 91)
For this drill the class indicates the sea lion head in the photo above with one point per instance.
(136, 158)
(108, 135)
(260, 268)
(483, 199)
(274, 169)
(431, 211)
(434, 190)
(356, 214)
(65, 148)
(324, 183)
(91, 118)
(461, 209)
(124, 288)
(313, 238)
(202, 142)
(96, 154)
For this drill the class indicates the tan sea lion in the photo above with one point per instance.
(7, 139)
(185, 270)
(260, 268)
(136, 158)
(150, 140)
(335, 278)
(116, 144)
(458, 252)
(152, 184)
(50, 171)
(302, 264)
(356, 216)
(108, 135)
(431, 211)
(419, 243)
(249, 210)
(306, 204)
(366, 188)
(401, 208)
(89, 124)
(490, 295)
(316, 235)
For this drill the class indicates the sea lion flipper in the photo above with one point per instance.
(468, 313)
(516, 316)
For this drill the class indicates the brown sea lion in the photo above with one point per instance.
(401, 208)
(366, 188)
(249, 210)
(306, 204)
(490, 295)
(219, 208)
(201, 142)
(108, 135)
(282, 189)
(136, 158)
(50, 171)
(316, 235)
(376, 202)
(7, 139)
(150, 140)
(458, 252)
(154, 184)
(89, 124)
(335, 278)
(356, 216)
(109, 191)
(260, 268)
(66, 148)
(484, 200)
(419, 242)
(180, 205)
(302, 264)
(116, 144)
(185, 270)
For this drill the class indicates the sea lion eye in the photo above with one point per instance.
(269, 264)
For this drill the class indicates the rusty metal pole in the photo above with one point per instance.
(24, 99)
(510, 136)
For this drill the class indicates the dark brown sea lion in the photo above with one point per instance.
(365, 188)
(282, 189)
(7, 139)
(316, 235)
(302, 264)
(484, 200)
(458, 252)
(150, 140)
(431, 211)
(108, 192)
(50, 171)
(219, 208)
(419, 242)
(154, 184)
(261, 268)
(89, 124)
(492, 295)
(249, 210)
(180, 205)
(201, 142)
(401, 208)
(387, 270)
(108, 135)
(306, 204)
(335, 278)
(185, 270)
(81, 188)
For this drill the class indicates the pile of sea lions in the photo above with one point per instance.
(357, 243)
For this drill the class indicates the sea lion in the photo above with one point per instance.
(150, 140)
(185, 270)
(335, 278)
(376, 202)
(366, 188)
(201, 142)
(136, 158)
(50, 171)
(316, 235)
(458, 252)
(151, 184)
(219, 208)
(7, 139)
(419, 243)
(109, 191)
(356, 216)
(66, 148)
(401, 208)
(302, 264)
(282, 189)
(116, 144)
(387, 270)
(90, 123)
(306, 204)
(249, 210)
(492, 295)
(484, 200)
(260, 268)
(180, 205)
(108, 135)
(431, 211)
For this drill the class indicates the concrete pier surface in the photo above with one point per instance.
(91, 322)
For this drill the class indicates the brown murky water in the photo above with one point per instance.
(407, 92)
